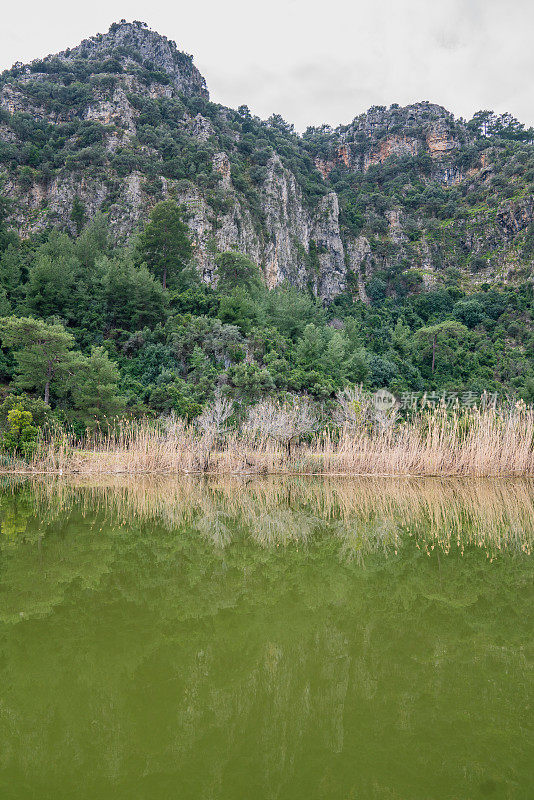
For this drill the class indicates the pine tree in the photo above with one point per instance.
(94, 387)
(42, 353)
(164, 244)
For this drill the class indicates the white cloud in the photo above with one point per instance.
(314, 62)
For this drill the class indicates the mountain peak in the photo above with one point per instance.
(135, 43)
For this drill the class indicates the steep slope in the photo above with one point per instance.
(400, 199)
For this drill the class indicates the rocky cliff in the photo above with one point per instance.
(399, 199)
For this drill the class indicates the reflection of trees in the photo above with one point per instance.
(205, 643)
(367, 515)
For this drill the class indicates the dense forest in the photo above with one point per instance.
(91, 330)
(146, 306)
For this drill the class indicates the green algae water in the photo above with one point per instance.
(266, 639)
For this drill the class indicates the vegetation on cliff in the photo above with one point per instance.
(91, 331)
(158, 250)
(436, 200)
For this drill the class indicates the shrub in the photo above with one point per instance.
(20, 434)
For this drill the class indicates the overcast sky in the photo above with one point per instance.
(316, 62)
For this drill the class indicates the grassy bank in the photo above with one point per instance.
(281, 439)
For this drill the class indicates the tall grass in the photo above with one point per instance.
(479, 441)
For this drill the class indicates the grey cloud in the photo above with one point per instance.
(315, 64)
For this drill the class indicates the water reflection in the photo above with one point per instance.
(271, 639)
(365, 515)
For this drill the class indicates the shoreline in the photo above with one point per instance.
(263, 474)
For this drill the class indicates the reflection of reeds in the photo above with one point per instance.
(475, 442)
(368, 514)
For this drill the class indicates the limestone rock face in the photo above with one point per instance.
(288, 226)
(130, 123)
(283, 252)
(381, 133)
(394, 145)
(440, 139)
(360, 261)
(115, 110)
(514, 216)
(221, 165)
(331, 277)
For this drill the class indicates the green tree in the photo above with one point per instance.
(42, 353)
(251, 381)
(5, 305)
(94, 387)
(290, 310)
(481, 122)
(400, 337)
(132, 296)
(333, 361)
(12, 266)
(173, 393)
(236, 271)
(201, 372)
(238, 308)
(7, 236)
(528, 390)
(50, 285)
(164, 244)
(311, 347)
(35, 405)
(357, 366)
(93, 242)
(78, 214)
(438, 343)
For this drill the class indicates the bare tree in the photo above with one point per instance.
(285, 422)
(353, 409)
(357, 410)
(172, 426)
(213, 420)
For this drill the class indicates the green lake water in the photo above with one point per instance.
(271, 639)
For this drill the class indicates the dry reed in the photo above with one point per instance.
(434, 441)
